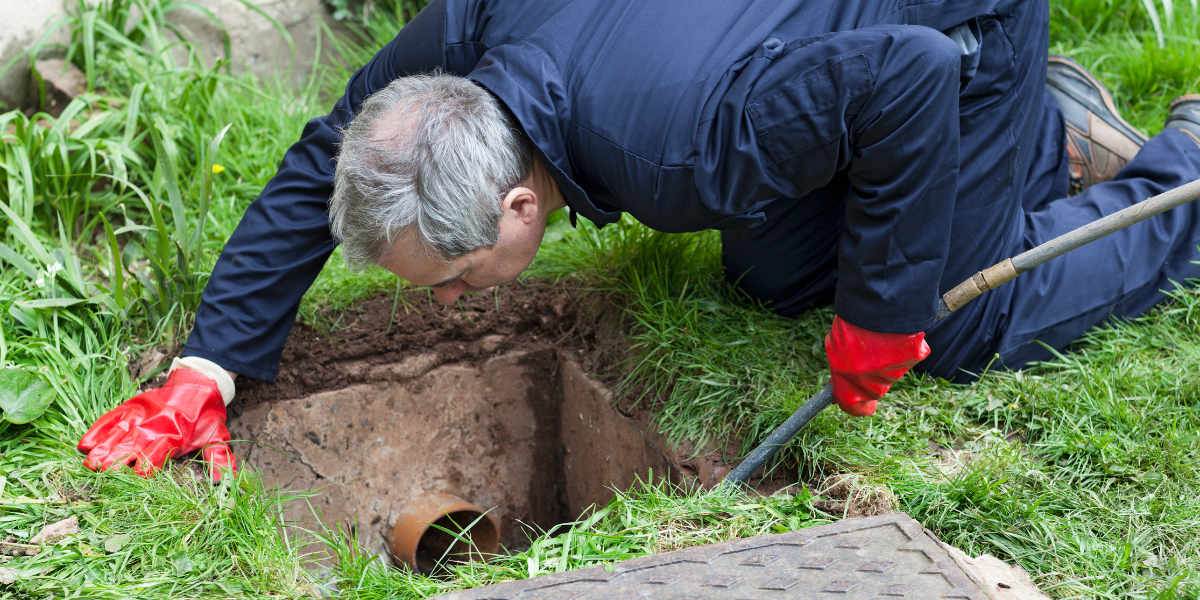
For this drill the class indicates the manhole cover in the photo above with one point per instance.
(889, 556)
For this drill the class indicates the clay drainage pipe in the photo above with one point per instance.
(414, 542)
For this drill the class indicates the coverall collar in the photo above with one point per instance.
(544, 111)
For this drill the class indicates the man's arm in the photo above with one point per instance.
(283, 240)
(880, 105)
(250, 302)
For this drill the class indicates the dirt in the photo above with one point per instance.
(848, 495)
(493, 400)
(422, 335)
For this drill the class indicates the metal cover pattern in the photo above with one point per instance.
(888, 556)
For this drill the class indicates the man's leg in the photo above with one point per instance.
(1122, 275)
(791, 260)
(1011, 148)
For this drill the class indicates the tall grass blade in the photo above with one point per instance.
(206, 179)
(132, 112)
(22, 232)
(88, 21)
(20, 170)
(164, 147)
(1152, 10)
(18, 261)
(117, 279)
(162, 237)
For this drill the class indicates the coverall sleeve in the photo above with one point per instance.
(879, 106)
(282, 242)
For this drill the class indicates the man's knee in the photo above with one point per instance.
(922, 55)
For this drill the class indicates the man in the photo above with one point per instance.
(870, 154)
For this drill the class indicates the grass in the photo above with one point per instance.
(1084, 470)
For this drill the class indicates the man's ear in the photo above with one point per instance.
(524, 202)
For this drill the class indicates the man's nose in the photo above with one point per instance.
(449, 294)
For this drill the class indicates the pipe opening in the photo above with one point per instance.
(437, 528)
(438, 544)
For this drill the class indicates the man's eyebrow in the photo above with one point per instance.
(449, 281)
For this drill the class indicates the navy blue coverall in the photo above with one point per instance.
(851, 152)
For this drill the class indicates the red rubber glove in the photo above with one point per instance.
(184, 415)
(864, 364)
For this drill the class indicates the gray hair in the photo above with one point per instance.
(435, 151)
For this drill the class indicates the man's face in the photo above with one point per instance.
(522, 225)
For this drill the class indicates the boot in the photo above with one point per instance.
(1185, 115)
(1099, 142)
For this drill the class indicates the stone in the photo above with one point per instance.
(24, 23)
(1001, 580)
(255, 43)
(54, 533)
(409, 368)
(491, 343)
(62, 82)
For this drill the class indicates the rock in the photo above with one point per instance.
(409, 368)
(53, 533)
(148, 363)
(8, 576)
(491, 343)
(62, 81)
(24, 22)
(1001, 580)
(255, 43)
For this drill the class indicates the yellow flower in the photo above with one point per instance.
(218, 169)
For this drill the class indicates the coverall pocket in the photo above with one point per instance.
(810, 112)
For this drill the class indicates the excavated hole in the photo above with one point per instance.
(489, 406)
(524, 434)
